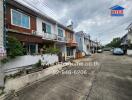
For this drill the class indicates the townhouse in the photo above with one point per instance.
(36, 31)
(71, 44)
(21, 23)
(126, 40)
(83, 41)
(93, 46)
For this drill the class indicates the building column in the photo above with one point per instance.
(36, 48)
(74, 53)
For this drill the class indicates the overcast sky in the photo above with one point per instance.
(91, 16)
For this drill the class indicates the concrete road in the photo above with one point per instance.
(110, 79)
(114, 81)
(1, 77)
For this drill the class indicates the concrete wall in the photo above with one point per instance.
(1, 43)
(2, 51)
(18, 83)
(129, 52)
(1, 23)
(27, 60)
(130, 36)
(79, 40)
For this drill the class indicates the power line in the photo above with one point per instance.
(45, 4)
(34, 7)
(40, 2)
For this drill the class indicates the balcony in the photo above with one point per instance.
(61, 39)
(71, 43)
(48, 36)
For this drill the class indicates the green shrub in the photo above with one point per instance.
(52, 50)
(15, 48)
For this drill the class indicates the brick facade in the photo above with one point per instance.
(17, 28)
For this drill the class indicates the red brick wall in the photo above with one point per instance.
(17, 28)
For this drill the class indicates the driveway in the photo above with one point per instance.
(108, 79)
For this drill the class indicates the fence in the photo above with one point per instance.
(26, 61)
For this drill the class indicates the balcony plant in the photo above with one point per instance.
(51, 50)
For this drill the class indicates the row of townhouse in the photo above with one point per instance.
(85, 44)
(126, 40)
(36, 31)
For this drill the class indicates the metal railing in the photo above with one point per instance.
(61, 39)
(49, 36)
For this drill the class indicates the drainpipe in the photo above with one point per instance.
(4, 24)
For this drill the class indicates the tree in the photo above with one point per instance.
(15, 48)
(115, 43)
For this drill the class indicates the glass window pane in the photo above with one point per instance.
(48, 28)
(25, 21)
(16, 18)
(60, 32)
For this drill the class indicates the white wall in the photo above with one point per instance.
(86, 47)
(18, 83)
(27, 60)
(1, 23)
(74, 53)
(129, 52)
(130, 36)
(39, 26)
(2, 51)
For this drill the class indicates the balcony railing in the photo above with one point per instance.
(54, 37)
(61, 39)
(49, 36)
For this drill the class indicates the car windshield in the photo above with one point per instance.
(117, 49)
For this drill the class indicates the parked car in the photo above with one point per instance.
(100, 51)
(118, 51)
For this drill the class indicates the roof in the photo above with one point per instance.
(35, 12)
(124, 36)
(117, 7)
(129, 27)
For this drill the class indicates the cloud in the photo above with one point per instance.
(91, 16)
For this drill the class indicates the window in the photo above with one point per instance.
(60, 32)
(20, 19)
(46, 28)
(69, 52)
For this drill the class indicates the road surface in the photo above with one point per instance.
(109, 79)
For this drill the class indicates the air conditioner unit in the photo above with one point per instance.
(34, 32)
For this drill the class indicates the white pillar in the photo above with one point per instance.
(74, 53)
(36, 48)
